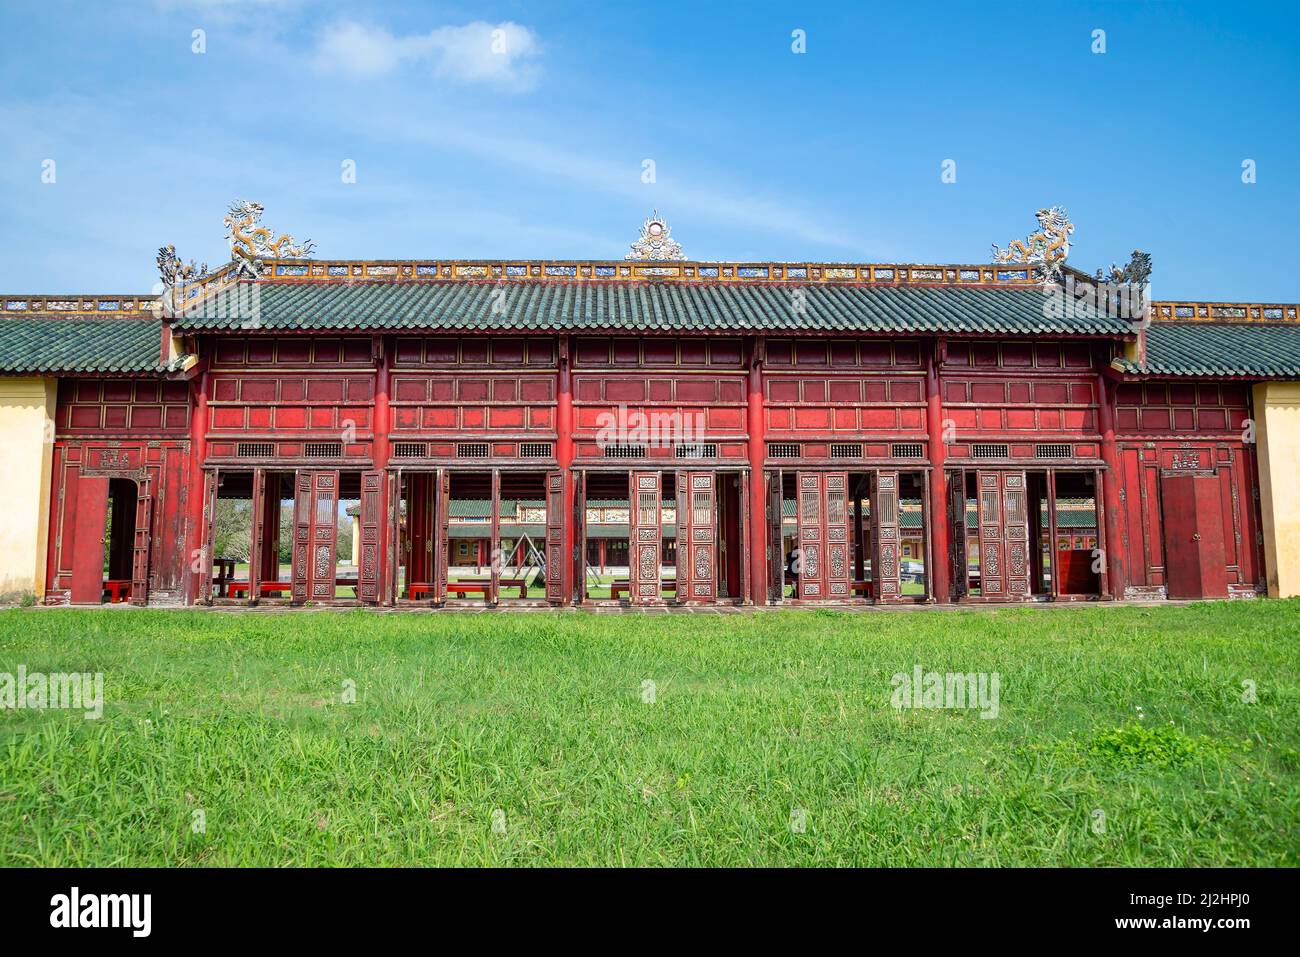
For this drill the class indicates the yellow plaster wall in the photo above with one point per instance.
(1277, 429)
(27, 406)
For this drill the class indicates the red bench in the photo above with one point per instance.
(265, 588)
(617, 588)
(468, 586)
(862, 588)
(117, 589)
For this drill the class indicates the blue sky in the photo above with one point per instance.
(759, 152)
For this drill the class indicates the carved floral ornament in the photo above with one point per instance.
(656, 242)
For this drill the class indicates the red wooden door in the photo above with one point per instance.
(837, 568)
(697, 539)
(683, 550)
(140, 543)
(1192, 512)
(257, 549)
(822, 559)
(88, 538)
(372, 484)
(812, 546)
(885, 535)
(645, 535)
(988, 488)
(315, 532)
(1015, 515)
(555, 537)
(1003, 534)
(392, 540)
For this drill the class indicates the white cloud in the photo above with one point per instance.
(502, 55)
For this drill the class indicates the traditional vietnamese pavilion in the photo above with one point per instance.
(646, 430)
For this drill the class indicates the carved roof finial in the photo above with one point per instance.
(656, 241)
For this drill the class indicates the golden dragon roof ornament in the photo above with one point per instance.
(251, 243)
(1045, 250)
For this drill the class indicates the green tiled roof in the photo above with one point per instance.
(1220, 349)
(80, 345)
(651, 307)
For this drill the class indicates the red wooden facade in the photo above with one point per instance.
(726, 428)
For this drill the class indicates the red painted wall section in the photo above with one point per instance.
(1169, 426)
(657, 392)
(844, 390)
(1034, 392)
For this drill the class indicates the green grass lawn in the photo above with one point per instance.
(756, 717)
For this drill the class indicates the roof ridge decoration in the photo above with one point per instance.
(251, 244)
(173, 272)
(656, 242)
(1045, 250)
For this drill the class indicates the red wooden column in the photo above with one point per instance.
(757, 533)
(564, 460)
(380, 453)
(198, 453)
(936, 565)
(1110, 482)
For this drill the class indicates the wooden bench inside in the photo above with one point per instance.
(237, 589)
(467, 586)
(621, 585)
(470, 586)
(118, 589)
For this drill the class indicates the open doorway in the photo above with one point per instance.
(730, 498)
(269, 576)
(606, 572)
(1074, 530)
(913, 517)
(467, 550)
(230, 538)
(119, 539)
(519, 554)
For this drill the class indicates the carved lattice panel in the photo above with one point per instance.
(372, 487)
(555, 537)
(697, 575)
(645, 535)
(885, 534)
(140, 543)
(837, 569)
(315, 531)
(1002, 503)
